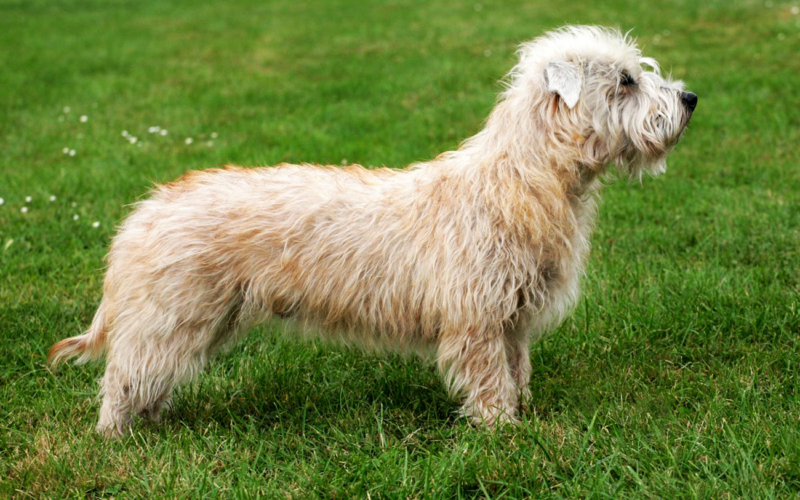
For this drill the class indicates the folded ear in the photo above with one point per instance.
(565, 79)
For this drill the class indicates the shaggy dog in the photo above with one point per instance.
(469, 257)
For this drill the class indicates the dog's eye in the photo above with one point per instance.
(626, 80)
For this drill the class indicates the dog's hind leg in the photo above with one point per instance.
(158, 352)
(140, 378)
(115, 413)
(149, 356)
(478, 368)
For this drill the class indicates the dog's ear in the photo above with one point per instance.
(565, 79)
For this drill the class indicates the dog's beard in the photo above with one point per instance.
(652, 159)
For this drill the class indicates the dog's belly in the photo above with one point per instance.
(347, 297)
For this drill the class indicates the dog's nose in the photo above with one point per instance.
(689, 100)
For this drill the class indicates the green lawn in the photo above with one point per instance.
(677, 376)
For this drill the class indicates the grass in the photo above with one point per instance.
(677, 376)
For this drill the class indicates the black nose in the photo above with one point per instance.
(689, 100)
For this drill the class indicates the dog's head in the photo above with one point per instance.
(592, 85)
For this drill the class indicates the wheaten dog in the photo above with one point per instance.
(469, 257)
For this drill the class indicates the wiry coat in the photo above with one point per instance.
(469, 257)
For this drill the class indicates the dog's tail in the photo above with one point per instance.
(88, 346)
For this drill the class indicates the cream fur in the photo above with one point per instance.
(468, 257)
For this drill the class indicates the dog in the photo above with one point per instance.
(468, 258)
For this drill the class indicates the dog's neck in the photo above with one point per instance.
(519, 142)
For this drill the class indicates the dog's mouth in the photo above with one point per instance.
(687, 117)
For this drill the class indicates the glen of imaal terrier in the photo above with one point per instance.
(469, 257)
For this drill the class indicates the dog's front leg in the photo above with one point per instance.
(476, 366)
(519, 356)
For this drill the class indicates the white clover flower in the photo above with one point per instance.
(53, 197)
(24, 210)
(132, 139)
(75, 217)
(163, 132)
(189, 140)
(154, 130)
(795, 10)
(65, 151)
(66, 109)
(28, 199)
(73, 204)
(72, 152)
(213, 135)
(2, 201)
(210, 143)
(95, 224)
(125, 133)
(84, 118)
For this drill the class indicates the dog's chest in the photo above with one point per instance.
(556, 267)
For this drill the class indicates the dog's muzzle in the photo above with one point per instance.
(689, 101)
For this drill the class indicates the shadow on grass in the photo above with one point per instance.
(297, 384)
(277, 383)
